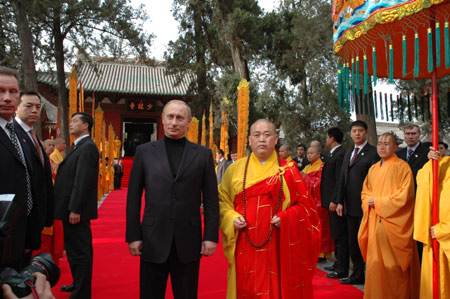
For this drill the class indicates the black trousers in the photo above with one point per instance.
(420, 250)
(355, 253)
(78, 245)
(183, 276)
(117, 181)
(339, 234)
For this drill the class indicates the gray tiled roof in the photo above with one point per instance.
(125, 78)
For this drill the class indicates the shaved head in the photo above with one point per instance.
(49, 146)
(313, 154)
(387, 145)
(390, 135)
(284, 151)
(285, 147)
(60, 143)
(178, 102)
(313, 149)
(316, 144)
(263, 138)
(263, 121)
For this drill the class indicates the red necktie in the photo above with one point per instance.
(355, 155)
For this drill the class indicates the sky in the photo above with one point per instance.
(165, 27)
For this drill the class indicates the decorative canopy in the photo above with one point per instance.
(392, 38)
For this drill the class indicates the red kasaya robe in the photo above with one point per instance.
(283, 268)
(313, 175)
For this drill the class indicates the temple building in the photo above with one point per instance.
(130, 95)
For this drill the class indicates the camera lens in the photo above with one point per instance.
(43, 263)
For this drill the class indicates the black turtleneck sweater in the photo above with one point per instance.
(174, 148)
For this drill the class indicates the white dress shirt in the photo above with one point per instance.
(79, 138)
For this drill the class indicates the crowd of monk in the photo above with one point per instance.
(374, 205)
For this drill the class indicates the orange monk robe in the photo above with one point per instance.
(422, 224)
(386, 233)
(283, 268)
(313, 175)
(108, 179)
(111, 178)
(56, 156)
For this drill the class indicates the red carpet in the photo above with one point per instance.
(116, 273)
(127, 163)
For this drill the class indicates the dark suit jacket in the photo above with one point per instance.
(418, 159)
(331, 172)
(118, 171)
(221, 167)
(13, 181)
(42, 189)
(172, 205)
(76, 182)
(301, 164)
(352, 179)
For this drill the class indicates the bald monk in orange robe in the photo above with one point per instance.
(313, 175)
(284, 153)
(386, 232)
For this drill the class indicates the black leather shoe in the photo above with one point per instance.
(322, 260)
(352, 280)
(330, 268)
(67, 288)
(335, 274)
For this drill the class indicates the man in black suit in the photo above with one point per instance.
(415, 152)
(355, 166)
(76, 203)
(14, 174)
(222, 164)
(27, 114)
(118, 173)
(301, 159)
(177, 176)
(331, 173)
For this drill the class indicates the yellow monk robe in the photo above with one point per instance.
(422, 224)
(386, 232)
(55, 159)
(282, 268)
(313, 174)
(288, 159)
(313, 167)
